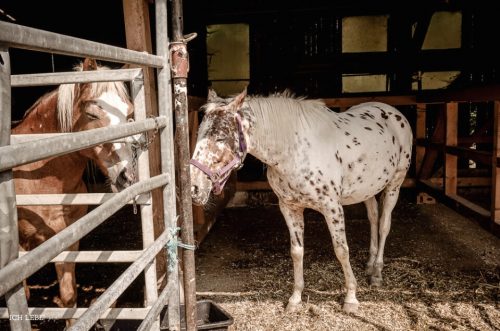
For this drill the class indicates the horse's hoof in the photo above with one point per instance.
(350, 307)
(376, 281)
(292, 307)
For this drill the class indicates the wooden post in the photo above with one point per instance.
(420, 134)
(450, 172)
(138, 35)
(495, 185)
(431, 154)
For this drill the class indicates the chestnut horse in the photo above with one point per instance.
(70, 108)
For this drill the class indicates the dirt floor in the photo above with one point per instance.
(442, 272)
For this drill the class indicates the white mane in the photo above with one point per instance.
(66, 97)
(279, 116)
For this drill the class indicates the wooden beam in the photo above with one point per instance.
(450, 166)
(263, 185)
(437, 191)
(495, 188)
(473, 94)
(431, 154)
(420, 134)
(345, 102)
(138, 36)
(471, 154)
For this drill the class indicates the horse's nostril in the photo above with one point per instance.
(194, 189)
(126, 176)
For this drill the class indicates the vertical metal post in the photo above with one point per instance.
(180, 67)
(148, 237)
(9, 237)
(167, 152)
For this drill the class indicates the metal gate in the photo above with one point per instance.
(14, 268)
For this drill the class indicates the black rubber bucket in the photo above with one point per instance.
(210, 316)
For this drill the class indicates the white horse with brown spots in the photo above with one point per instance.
(316, 159)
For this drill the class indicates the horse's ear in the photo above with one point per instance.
(237, 101)
(212, 95)
(89, 64)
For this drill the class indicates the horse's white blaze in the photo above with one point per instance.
(201, 191)
(114, 106)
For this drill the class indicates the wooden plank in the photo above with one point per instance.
(400, 100)
(436, 190)
(95, 256)
(264, 185)
(464, 181)
(73, 199)
(420, 134)
(495, 191)
(138, 36)
(483, 157)
(450, 166)
(431, 155)
(253, 186)
(473, 94)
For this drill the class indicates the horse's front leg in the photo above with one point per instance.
(67, 283)
(335, 221)
(294, 218)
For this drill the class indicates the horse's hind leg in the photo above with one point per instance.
(372, 211)
(294, 218)
(389, 200)
(335, 221)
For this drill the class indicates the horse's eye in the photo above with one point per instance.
(220, 140)
(92, 116)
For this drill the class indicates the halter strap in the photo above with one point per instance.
(220, 177)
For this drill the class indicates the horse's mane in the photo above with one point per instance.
(282, 114)
(66, 96)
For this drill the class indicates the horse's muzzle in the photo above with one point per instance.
(125, 178)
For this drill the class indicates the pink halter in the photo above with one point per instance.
(220, 177)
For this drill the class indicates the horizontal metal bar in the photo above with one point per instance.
(95, 256)
(91, 316)
(18, 270)
(46, 313)
(19, 36)
(16, 155)
(22, 138)
(56, 78)
(156, 309)
(73, 199)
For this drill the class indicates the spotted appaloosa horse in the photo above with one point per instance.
(316, 159)
(70, 108)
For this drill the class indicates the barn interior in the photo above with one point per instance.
(434, 60)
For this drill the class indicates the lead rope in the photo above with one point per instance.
(172, 245)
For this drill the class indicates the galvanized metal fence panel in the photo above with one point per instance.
(13, 272)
